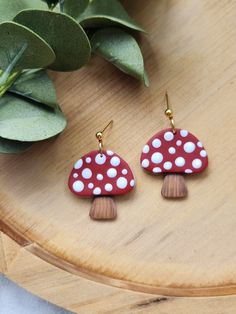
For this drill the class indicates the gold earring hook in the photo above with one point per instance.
(99, 136)
(169, 113)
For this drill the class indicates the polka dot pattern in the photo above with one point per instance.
(99, 176)
(167, 165)
(172, 150)
(115, 161)
(100, 159)
(157, 170)
(78, 164)
(132, 183)
(95, 174)
(197, 163)
(189, 147)
(183, 133)
(97, 191)
(121, 183)
(90, 185)
(169, 136)
(145, 163)
(156, 143)
(180, 162)
(112, 173)
(181, 152)
(86, 173)
(146, 149)
(78, 186)
(108, 187)
(157, 158)
(124, 172)
(110, 152)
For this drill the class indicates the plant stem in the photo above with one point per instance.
(61, 4)
(7, 82)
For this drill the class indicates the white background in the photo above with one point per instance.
(14, 300)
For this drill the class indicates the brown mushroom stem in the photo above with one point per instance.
(174, 186)
(103, 208)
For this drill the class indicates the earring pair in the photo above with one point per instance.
(103, 174)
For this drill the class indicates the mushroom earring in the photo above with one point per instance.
(174, 152)
(101, 174)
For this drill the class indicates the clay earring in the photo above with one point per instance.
(101, 174)
(174, 152)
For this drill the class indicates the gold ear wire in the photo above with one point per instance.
(99, 136)
(169, 113)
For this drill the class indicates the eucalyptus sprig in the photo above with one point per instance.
(60, 35)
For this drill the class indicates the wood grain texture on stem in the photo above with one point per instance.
(174, 186)
(103, 208)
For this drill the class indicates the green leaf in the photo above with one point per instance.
(75, 8)
(101, 13)
(21, 48)
(146, 79)
(26, 121)
(9, 8)
(13, 147)
(64, 35)
(121, 49)
(37, 86)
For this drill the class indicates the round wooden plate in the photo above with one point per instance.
(156, 246)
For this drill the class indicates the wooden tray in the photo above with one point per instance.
(157, 249)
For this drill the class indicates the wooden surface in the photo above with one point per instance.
(157, 249)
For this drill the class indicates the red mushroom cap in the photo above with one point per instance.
(167, 152)
(98, 174)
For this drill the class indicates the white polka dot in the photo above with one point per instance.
(189, 147)
(203, 153)
(112, 173)
(172, 150)
(197, 163)
(108, 187)
(168, 136)
(146, 149)
(121, 183)
(75, 175)
(115, 161)
(124, 172)
(86, 173)
(100, 159)
(97, 191)
(90, 185)
(132, 183)
(157, 158)
(88, 160)
(110, 153)
(156, 170)
(145, 163)
(180, 162)
(78, 164)
(100, 177)
(167, 165)
(188, 171)
(78, 186)
(183, 133)
(156, 143)
(179, 143)
(199, 144)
